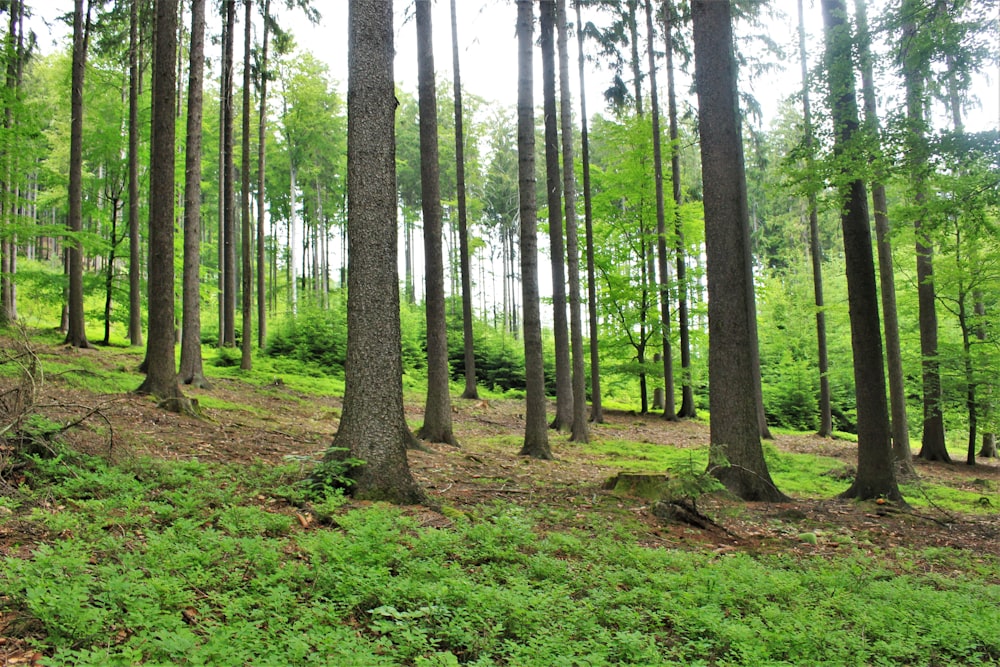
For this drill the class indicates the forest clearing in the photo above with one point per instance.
(158, 538)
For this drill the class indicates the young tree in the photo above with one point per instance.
(736, 457)
(536, 438)
(161, 369)
(437, 413)
(669, 409)
(76, 334)
(191, 369)
(596, 409)
(471, 389)
(876, 471)
(372, 427)
(564, 385)
(578, 430)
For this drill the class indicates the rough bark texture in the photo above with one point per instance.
(372, 427)
(246, 286)
(135, 262)
(76, 334)
(688, 409)
(468, 340)
(578, 431)
(669, 407)
(161, 369)
(876, 472)
(191, 370)
(734, 426)
(536, 437)
(815, 248)
(560, 326)
(890, 321)
(437, 412)
(596, 409)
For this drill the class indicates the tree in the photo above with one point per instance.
(564, 385)
(815, 250)
(76, 334)
(669, 410)
(191, 369)
(161, 369)
(471, 389)
(596, 410)
(876, 472)
(227, 186)
(261, 163)
(890, 320)
(536, 439)
(578, 430)
(736, 457)
(372, 426)
(246, 238)
(437, 413)
(134, 263)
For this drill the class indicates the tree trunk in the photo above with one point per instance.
(76, 334)
(437, 413)
(736, 456)
(669, 407)
(578, 429)
(373, 427)
(161, 369)
(191, 370)
(876, 470)
(815, 248)
(134, 263)
(536, 438)
(246, 237)
(229, 219)
(564, 385)
(468, 340)
(688, 409)
(261, 154)
(596, 408)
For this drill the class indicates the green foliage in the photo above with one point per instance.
(499, 358)
(313, 335)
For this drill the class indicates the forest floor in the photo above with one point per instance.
(275, 424)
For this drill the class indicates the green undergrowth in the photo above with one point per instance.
(163, 563)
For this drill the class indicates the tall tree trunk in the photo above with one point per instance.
(76, 334)
(246, 237)
(564, 384)
(372, 427)
(669, 407)
(9, 191)
(536, 437)
(876, 470)
(736, 456)
(191, 370)
(468, 340)
(161, 369)
(596, 408)
(989, 447)
(437, 413)
(578, 429)
(815, 249)
(229, 219)
(135, 262)
(688, 409)
(261, 154)
(223, 176)
(914, 64)
(893, 353)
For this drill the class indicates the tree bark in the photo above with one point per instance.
(135, 262)
(536, 438)
(564, 384)
(76, 334)
(876, 470)
(468, 339)
(191, 370)
(596, 408)
(229, 186)
(246, 237)
(372, 427)
(261, 161)
(161, 369)
(437, 412)
(736, 457)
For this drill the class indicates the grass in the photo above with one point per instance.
(184, 563)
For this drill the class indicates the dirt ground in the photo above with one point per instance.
(275, 424)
